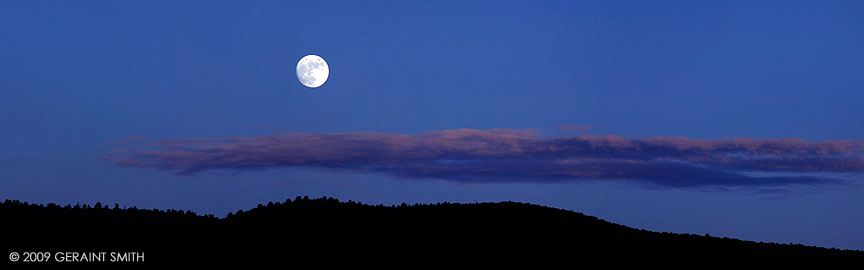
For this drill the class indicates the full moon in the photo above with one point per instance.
(312, 71)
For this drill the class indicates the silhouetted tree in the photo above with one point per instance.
(327, 226)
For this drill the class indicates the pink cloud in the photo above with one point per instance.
(509, 155)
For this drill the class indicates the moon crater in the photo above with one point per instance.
(312, 71)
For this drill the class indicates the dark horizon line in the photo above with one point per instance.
(306, 198)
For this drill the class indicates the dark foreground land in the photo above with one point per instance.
(328, 232)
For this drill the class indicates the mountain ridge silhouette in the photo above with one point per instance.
(305, 228)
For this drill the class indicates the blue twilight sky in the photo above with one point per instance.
(77, 75)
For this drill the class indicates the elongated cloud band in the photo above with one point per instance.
(512, 155)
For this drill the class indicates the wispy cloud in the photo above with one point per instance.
(512, 155)
(576, 128)
(127, 140)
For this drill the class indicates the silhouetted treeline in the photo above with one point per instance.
(302, 229)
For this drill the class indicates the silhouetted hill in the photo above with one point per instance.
(327, 231)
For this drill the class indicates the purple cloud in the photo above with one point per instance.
(511, 155)
(575, 128)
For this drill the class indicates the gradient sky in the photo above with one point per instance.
(79, 78)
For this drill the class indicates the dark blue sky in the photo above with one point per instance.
(75, 76)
